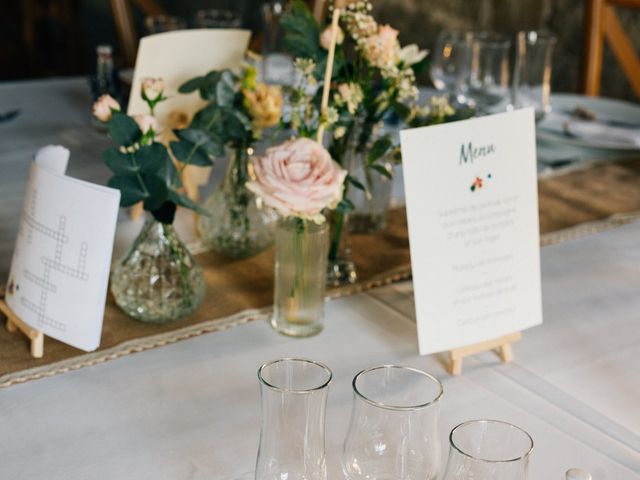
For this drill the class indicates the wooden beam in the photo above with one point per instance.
(622, 48)
(593, 46)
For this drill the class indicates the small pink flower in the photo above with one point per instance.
(325, 37)
(147, 122)
(298, 179)
(382, 49)
(152, 88)
(103, 108)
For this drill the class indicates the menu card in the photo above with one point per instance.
(472, 210)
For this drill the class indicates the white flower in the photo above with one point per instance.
(325, 37)
(104, 107)
(152, 89)
(411, 54)
(350, 94)
(147, 123)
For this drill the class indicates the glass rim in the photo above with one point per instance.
(264, 382)
(485, 460)
(435, 400)
(491, 39)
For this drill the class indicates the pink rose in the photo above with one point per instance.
(152, 88)
(325, 37)
(147, 122)
(298, 179)
(382, 49)
(103, 108)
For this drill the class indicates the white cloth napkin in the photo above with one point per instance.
(592, 130)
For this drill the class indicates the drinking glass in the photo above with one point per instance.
(294, 398)
(532, 73)
(488, 450)
(164, 23)
(451, 62)
(490, 72)
(277, 63)
(225, 14)
(393, 433)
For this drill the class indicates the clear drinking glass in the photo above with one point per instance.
(294, 398)
(532, 73)
(451, 61)
(393, 433)
(488, 450)
(224, 14)
(164, 23)
(277, 63)
(490, 72)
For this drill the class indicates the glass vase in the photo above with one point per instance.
(488, 450)
(301, 264)
(393, 432)
(239, 225)
(292, 438)
(340, 267)
(158, 280)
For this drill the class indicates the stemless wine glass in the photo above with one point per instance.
(294, 398)
(450, 64)
(488, 450)
(532, 73)
(393, 433)
(490, 72)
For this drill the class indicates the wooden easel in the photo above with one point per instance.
(36, 337)
(502, 346)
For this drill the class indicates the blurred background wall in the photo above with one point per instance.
(40, 38)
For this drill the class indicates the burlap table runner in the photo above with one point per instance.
(239, 291)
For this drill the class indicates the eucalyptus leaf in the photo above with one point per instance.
(225, 89)
(379, 148)
(131, 189)
(151, 158)
(207, 141)
(190, 153)
(157, 189)
(186, 202)
(191, 85)
(381, 170)
(123, 129)
(345, 206)
(353, 181)
(208, 87)
(119, 163)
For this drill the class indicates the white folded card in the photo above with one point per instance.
(60, 267)
(472, 209)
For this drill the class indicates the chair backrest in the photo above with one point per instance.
(603, 23)
(125, 25)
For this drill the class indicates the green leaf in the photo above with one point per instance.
(402, 110)
(157, 189)
(151, 158)
(119, 163)
(123, 129)
(190, 153)
(191, 85)
(352, 180)
(301, 32)
(379, 148)
(237, 126)
(131, 190)
(225, 89)
(186, 202)
(381, 170)
(207, 141)
(165, 213)
(208, 86)
(345, 206)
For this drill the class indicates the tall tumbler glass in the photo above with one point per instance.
(532, 73)
(450, 64)
(393, 433)
(490, 72)
(294, 397)
(488, 450)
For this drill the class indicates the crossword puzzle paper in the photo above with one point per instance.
(60, 267)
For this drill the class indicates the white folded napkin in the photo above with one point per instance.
(592, 130)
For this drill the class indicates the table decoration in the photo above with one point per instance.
(158, 280)
(293, 396)
(488, 450)
(393, 431)
(299, 179)
(238, 112)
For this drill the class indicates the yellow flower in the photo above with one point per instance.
(264, 104)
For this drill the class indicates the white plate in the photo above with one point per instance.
(604, 108)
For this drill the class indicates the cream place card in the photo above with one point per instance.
(472, 209)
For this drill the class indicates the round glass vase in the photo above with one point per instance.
(370, 206)
(238, 225)
(158, 280)
(301, 265)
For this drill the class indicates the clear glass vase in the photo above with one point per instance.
(238, 225)
(292, 436)
(301, 264)
(158, 280)
(393, 433)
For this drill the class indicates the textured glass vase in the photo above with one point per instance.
(158, 280)
(301, 265)
(238, 225)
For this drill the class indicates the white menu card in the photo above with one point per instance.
(472, 210)
(60, 266)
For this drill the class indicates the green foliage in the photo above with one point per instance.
(302, 34)
(124, 130)
(379, 148)
(355, 182)
(345, 206)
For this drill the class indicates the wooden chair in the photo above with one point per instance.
(125, 25)
(603, 23)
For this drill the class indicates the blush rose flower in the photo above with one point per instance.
(104, 107)
(298, 179)
(264, 104)
(152, 89)
(325, 37)
(382, 49)
(147, 122)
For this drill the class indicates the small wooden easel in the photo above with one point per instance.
(502, 346)
(36, 337)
